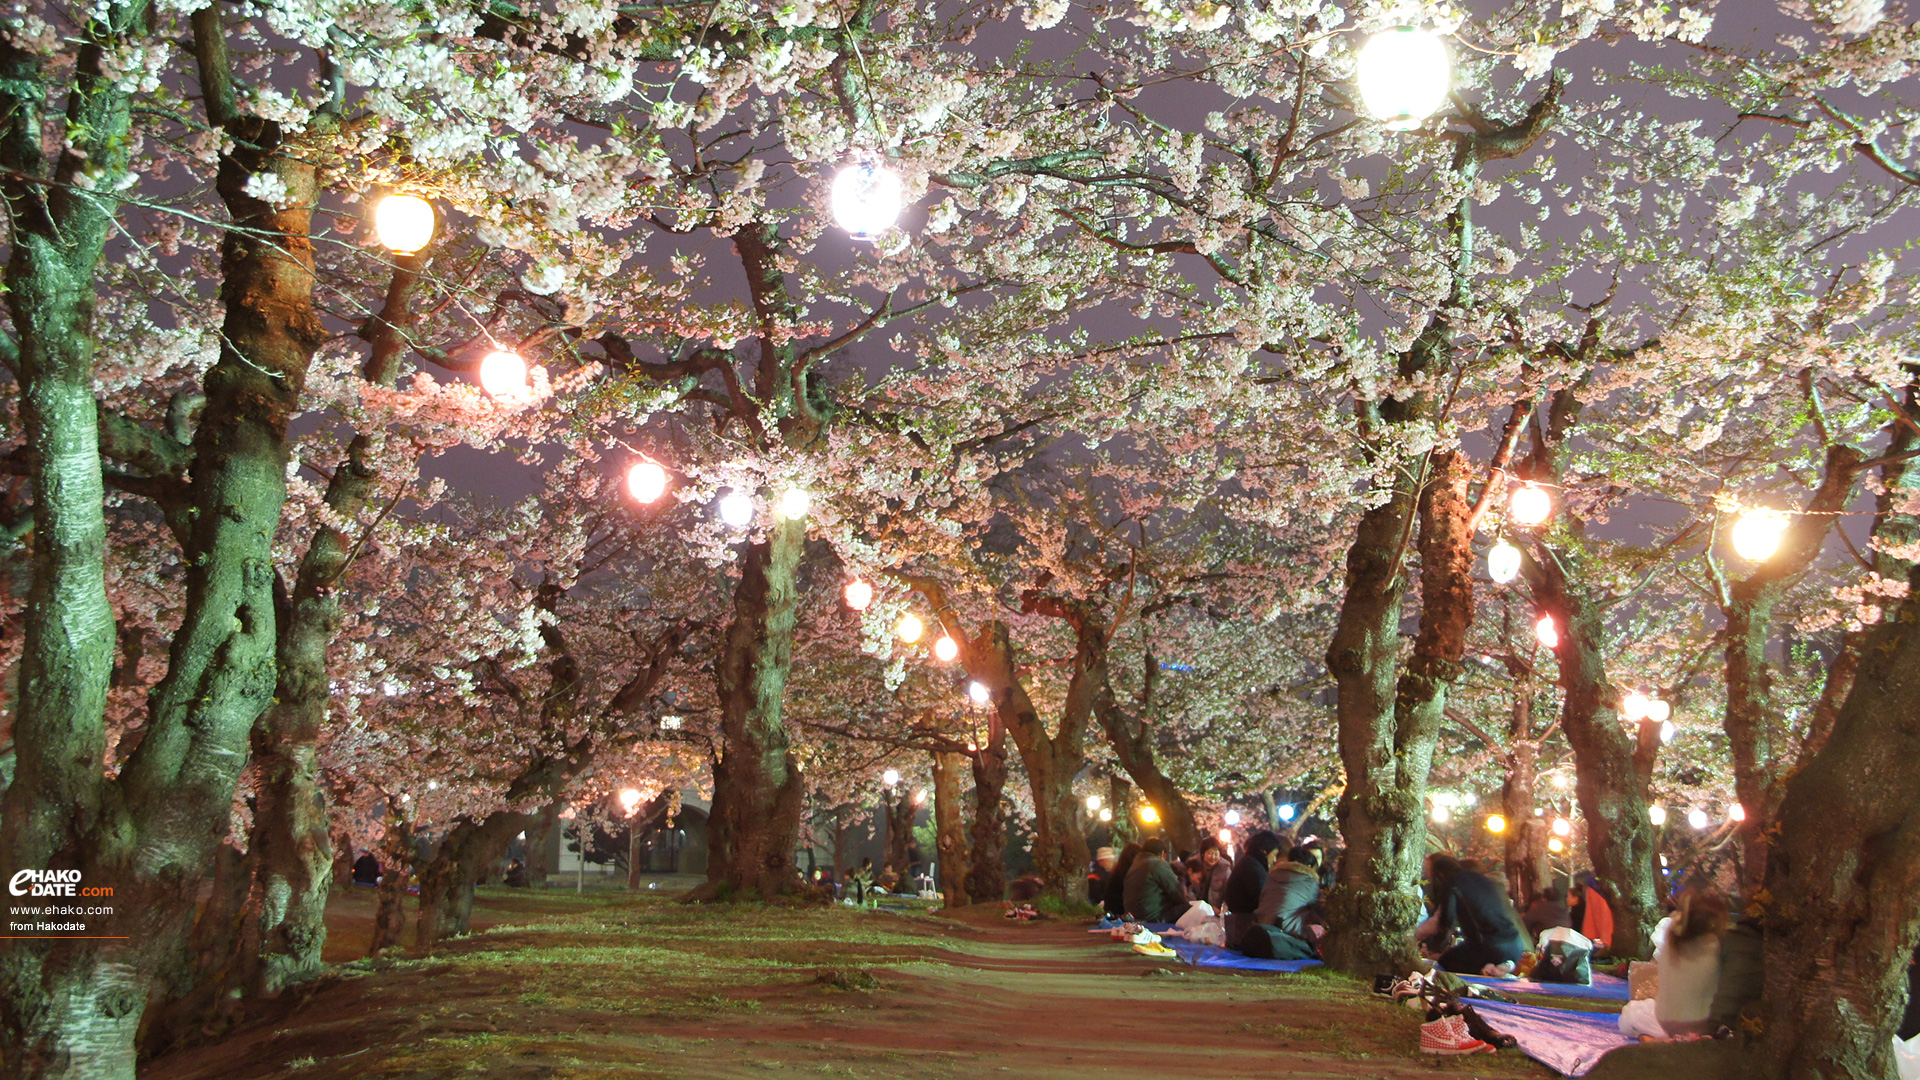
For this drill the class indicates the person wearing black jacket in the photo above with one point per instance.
(1116, 899)
(1467, 901)
(1249, 877)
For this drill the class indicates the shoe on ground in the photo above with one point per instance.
(1154, 949)
(1145, 937)
(1498, 971)
(1448, 1037)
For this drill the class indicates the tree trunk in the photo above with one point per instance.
(396, 866)
(949, 829)
(1522, 842)
(542, 827)
(757, 787)
(447, 881)
(1843, 909)
(1131, 734)
(900, 814)
(987, 842)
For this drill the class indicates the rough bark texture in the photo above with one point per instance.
(396, 866)
(1132, 736)
(757, 786)
(1844, 880)
(949, 828)
(987, 840)
(1524, 843)
(901, 811)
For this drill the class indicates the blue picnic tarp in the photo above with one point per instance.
(1604, 988)
(1568, 1042)
(1214, 956)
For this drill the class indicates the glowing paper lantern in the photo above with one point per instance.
(1404, 75)
(978, 692)
(1093, 803)
(503, 374)
(1148, 814)
(910, 628)
(890, 777)
(1286, 811)
(1757, 534)
(1556, 845)
(1562, 827)
(1697, 818)
(646, 481)
(1658, 710)
(1667, 731)
(1548, 633)
(920, 797)
(1657, 815)
(1503, 562)
(736, 508)
(1560, 783)
(1634, 706)
(1496, 823)
(1106, 815)
(1441, 815)
(1226, 837)
(1530, 506)
(629, 799)
(859, 594)
(866, 199)
(1232, 818)
(403, 223)
(1736, 812)
(795, 503)
(945, 649)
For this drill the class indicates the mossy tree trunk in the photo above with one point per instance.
(949, 828)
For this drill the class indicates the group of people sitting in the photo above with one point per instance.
(1270, 895)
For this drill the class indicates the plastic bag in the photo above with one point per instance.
(1196, 913)
(1565, 957)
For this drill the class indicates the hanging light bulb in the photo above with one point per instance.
(1226, 837)
(736, 508)
(1503, 562)
(1496, 823)
(910, 628)
(1106, 814)
(920, 797)
(403, 223)
(794, 503)
(1560, 782)
(629, 799)
(1736, 813)
(978, 692)
(1562, 827)
(1286, 811)
(1634, 706)
(1441, 815)
(890, 777)
(945, 649)
(866, 199)
(1556, 845)
(859, 594)
(1530, 506)
(503, 374)
(1757, 534)
(1657, 815)
(646, 481)
(1232, 818)
(1667, 731)
(1404, 76)
(1658, 710)
(1148, 814)
(1093, 803)
(1548, 633)
(1697, 818)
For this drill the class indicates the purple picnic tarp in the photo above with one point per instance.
(1568, 1042)
(1604, 988)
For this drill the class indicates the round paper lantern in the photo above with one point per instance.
(1548, 633)
(1496, 823)
(945, 649)
(1530, 506)
(866, 199)
(646, 481)
(910, 629)
(1634, 706)
(1404, 75)
(503, 374)
(1658, 710)
(794, 503)
(1657, 815)
(978, 692)
(1503, 562)
(403, 223)
(1697, 818)
(859, 594)
(890, 777)
(1757, 534)
(736, 508)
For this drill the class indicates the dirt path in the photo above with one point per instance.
(603, 986)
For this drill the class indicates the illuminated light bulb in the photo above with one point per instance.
(866, 199)
(910, 629)
(646, 481)
(1530, 506)
(1658, 710)
(503, 374)
(1697, 818)
(920, 797)
(1562, 827)
(1539, 812)
(1556, 845)
(1232, 818)
(1496, 823)
(1757, 534)
(670, 723)
(1503, 562)
(1667, 731)
(1441, 815)
(736, 508)
(794, 503)
(403, 223)
(1106, 815)
(1287, 811)
(1736, 812)
(978, 692)
(859, 594)
(1560, 782)
(1548, 633)
(1226, 837)
(629, 799)
(890, 777)
(1093, 803)
(1404, 75)
(945, 649)
(1634, 706)
(1657, 815)
(1148, 814)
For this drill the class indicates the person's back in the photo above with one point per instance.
(1292, 887)
(1547, 911)
(1247, 880)
(1153, 892)
(1687, 952)
(1115, 900)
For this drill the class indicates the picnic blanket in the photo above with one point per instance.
(1214, 956)
(1570, 1043)
(1604, 988)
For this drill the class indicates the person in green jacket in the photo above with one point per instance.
(1153, 893)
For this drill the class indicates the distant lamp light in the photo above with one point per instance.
(1547, 632)
(859, 594)
(1232, 818)
(1106, 814)
(1658, 710)
(1441, 815)
(503, 374)
(890, 777)
(1530, 506)
(736, 508)
(629, 799)
(1148, 814)
(866, 199)
(1657, 815)
(1634, 706)
(1556, 845)
(978, 692)
(920, 797)
(794, 503)
(1404, 75)
(1562, 827)
(1757, 534)
(1503, 562)
(1697, 818)
(646, 481)
(945, 649)
(1667, 732)
(1736, 813)
(910, 628)
(670, 723)
(1560, 782)
(1496, 823)
(403, 223)
(1286, 811)
(1093, 803)
(1226, 837)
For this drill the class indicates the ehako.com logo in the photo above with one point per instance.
(53, 883)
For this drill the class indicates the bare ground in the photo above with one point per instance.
(610, 985)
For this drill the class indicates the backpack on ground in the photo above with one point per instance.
(1566, 956)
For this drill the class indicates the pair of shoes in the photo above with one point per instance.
(1145, 937)
(1154, 949)
(1448, 1036)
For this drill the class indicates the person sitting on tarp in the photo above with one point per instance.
(1208, 871)
(1115, 900)
(1592, 915)
(1100, 873)
(1153, 893)
(1548, 910)
(1467, 902)
(1286, 926)
(1686, 949)
(1249, 877)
